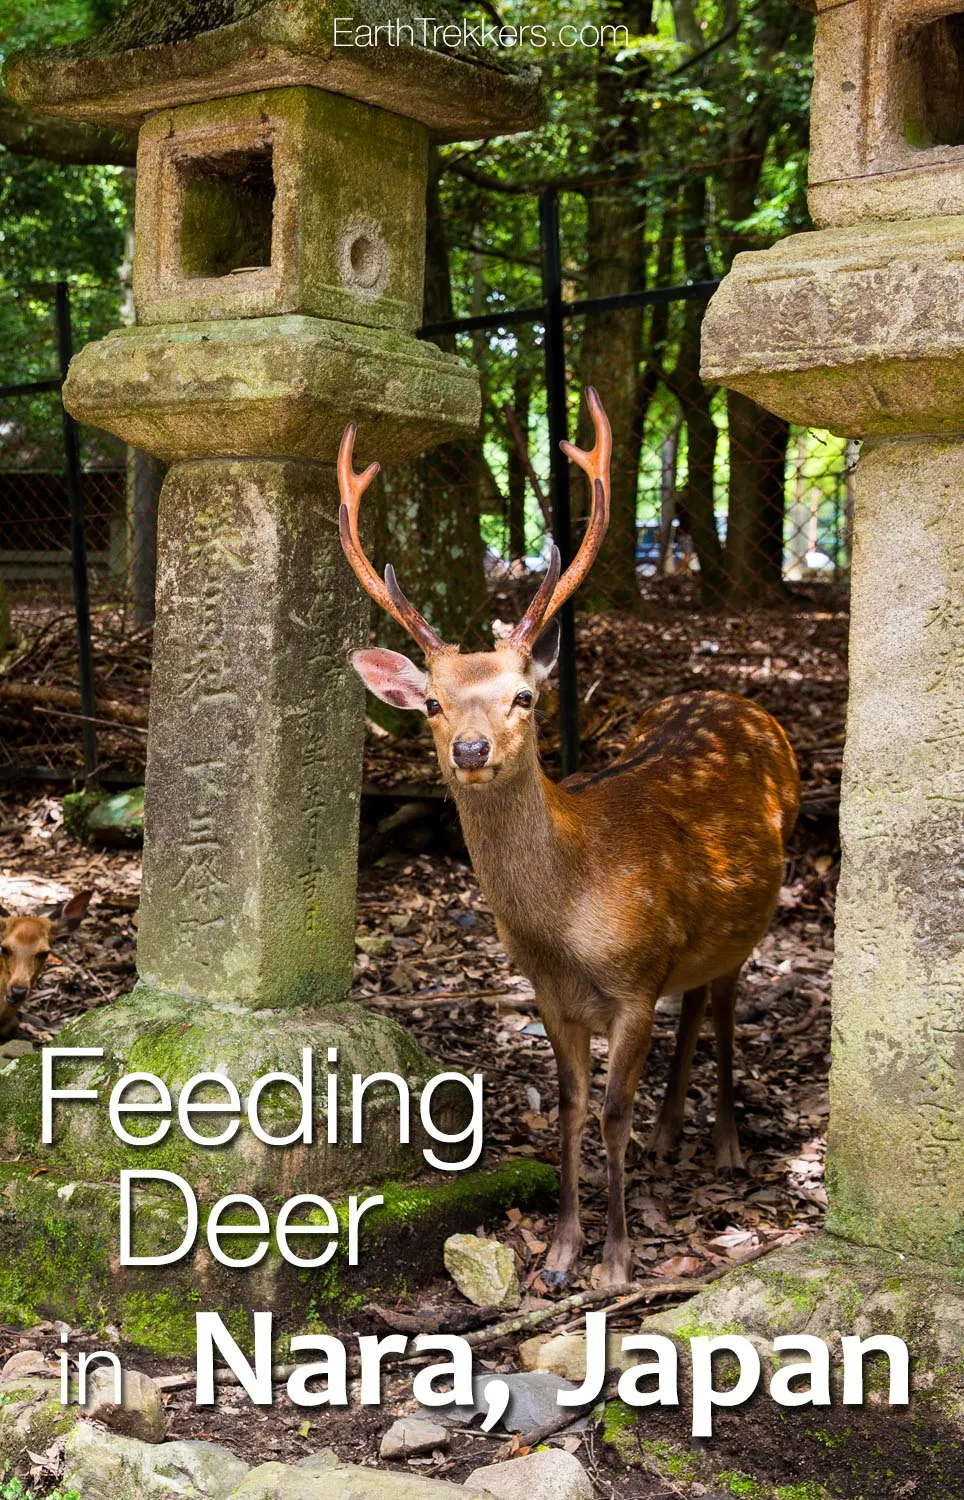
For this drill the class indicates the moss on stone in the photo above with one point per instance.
(803, 1293)
(278, 388)
(60, 1257)
(620, 1431)
(175, 1038)
(413, 1223)
(105, 818)
(162, 1321)
(744, 1486)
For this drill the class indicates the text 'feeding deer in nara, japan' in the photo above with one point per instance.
(659, 874)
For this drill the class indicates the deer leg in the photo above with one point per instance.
(669, 1124)
(570, 1043)
(628, 1048)
(726, 1139)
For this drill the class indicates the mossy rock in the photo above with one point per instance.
(31, 1419)
(825, 1286)
(175, 1038)
(60, 1256)
(115, 819)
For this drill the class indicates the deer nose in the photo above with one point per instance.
(17, 993)
(470, 755)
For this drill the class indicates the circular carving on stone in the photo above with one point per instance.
(363, 261)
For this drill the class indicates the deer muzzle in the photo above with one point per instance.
(470, 755)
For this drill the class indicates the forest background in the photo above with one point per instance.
(672, 151)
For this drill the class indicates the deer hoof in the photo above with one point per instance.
(554, 1281)
(663, 1141)
(615, 1273)
(729, 1157)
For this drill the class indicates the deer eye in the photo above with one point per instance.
(432, 707)
(523, 699)
(6, 950)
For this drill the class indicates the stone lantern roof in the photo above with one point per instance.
(159, 53)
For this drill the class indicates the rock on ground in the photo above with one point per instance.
(565, 1354)
(551, 1474)
(411, 1436)
(24, 1362)
(140, 1413)
(483, 1270)
(19, 1047)
(532, 1402)
(346, 1482)
(103, 1465)
(31, 1417)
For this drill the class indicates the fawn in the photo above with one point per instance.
(25, 944)
(660, 873)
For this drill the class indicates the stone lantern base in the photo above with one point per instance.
(175, 1039)
(60, 1205)
(823, 1287)
(830, 1287)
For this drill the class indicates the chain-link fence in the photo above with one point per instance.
(71, 554)
(775, 499)
(715, 503)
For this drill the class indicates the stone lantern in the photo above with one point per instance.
(280, 228)
(859, 328)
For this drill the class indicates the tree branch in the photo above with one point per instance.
(54, 139)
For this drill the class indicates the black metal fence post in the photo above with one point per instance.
(78, 541)
(555, 358)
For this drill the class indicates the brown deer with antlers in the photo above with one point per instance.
(660, 873)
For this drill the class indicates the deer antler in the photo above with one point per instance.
(554, 591)
(351, 487)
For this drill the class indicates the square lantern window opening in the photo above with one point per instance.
(227, 201)
(928, 63)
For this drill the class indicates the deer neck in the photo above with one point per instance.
(513, 834)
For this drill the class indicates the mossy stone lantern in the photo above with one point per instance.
(280, 230)
(859, 328)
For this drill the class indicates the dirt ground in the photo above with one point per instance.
(428, 955)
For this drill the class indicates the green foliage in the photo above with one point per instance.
(60, 222)
(12, 1488)
(57, 222)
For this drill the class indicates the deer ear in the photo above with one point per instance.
(545, 650)
(67, 917)
(391, 677)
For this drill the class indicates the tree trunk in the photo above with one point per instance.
(429, 521)
(612, 342)
(698, 505)
(611, 350)
(754, 536)
(699, 512)
(521, 388)
(758, 440)
(669, 458)
(799, 516)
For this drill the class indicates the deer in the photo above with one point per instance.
(658, 874)
(25, 945)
